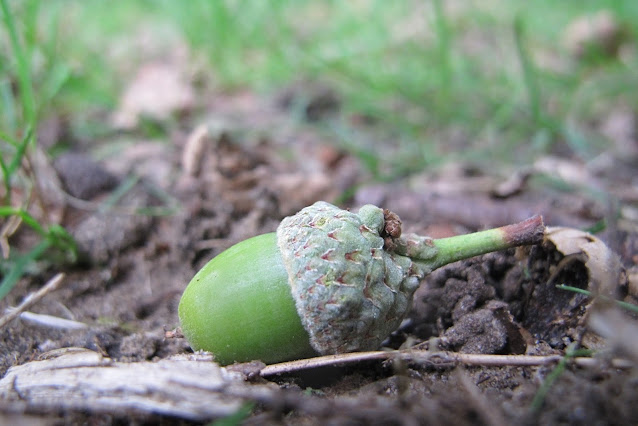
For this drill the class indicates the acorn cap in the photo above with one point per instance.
(349, 292)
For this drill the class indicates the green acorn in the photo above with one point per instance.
(328, 281)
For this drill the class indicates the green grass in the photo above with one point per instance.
(479, 81)
(625, 305)
(22, 109)
(423, 70)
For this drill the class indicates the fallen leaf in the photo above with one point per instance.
(620, 331)
(603, 265)
(596, 34)
(157, 91)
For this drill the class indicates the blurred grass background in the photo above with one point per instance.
(483, 81)
(493, 73)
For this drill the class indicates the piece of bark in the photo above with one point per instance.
(189, 387)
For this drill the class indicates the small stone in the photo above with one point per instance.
(82, 177)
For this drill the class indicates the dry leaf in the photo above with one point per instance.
(620, 331)
(194, 150)
(603, 265)
(157, 91)
(600, 33)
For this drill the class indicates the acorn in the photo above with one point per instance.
(329, 281)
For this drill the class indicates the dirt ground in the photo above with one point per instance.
(236, 173)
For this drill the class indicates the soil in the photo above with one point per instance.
(217, 186)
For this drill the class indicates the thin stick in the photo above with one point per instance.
(432, 358)
(50, 321)
(32, 299)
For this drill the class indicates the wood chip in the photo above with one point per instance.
(190, 387)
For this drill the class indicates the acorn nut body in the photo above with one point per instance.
(239, 306)
(323, 284)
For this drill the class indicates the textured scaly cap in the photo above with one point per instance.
(349, 292)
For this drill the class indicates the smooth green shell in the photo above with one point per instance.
(239, 306)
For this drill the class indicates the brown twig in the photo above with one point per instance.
(527, 232)
(442, 358)
(32, 299)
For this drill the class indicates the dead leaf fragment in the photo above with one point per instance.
(620, 331)
(603, 265)
(157, 91)
(597, 34)
(194, 150)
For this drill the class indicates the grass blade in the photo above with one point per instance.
(26, 218)
(19, 266)
(23, 64)
(530, 76)
(629, 306)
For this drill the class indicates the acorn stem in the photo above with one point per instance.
(452, 249)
